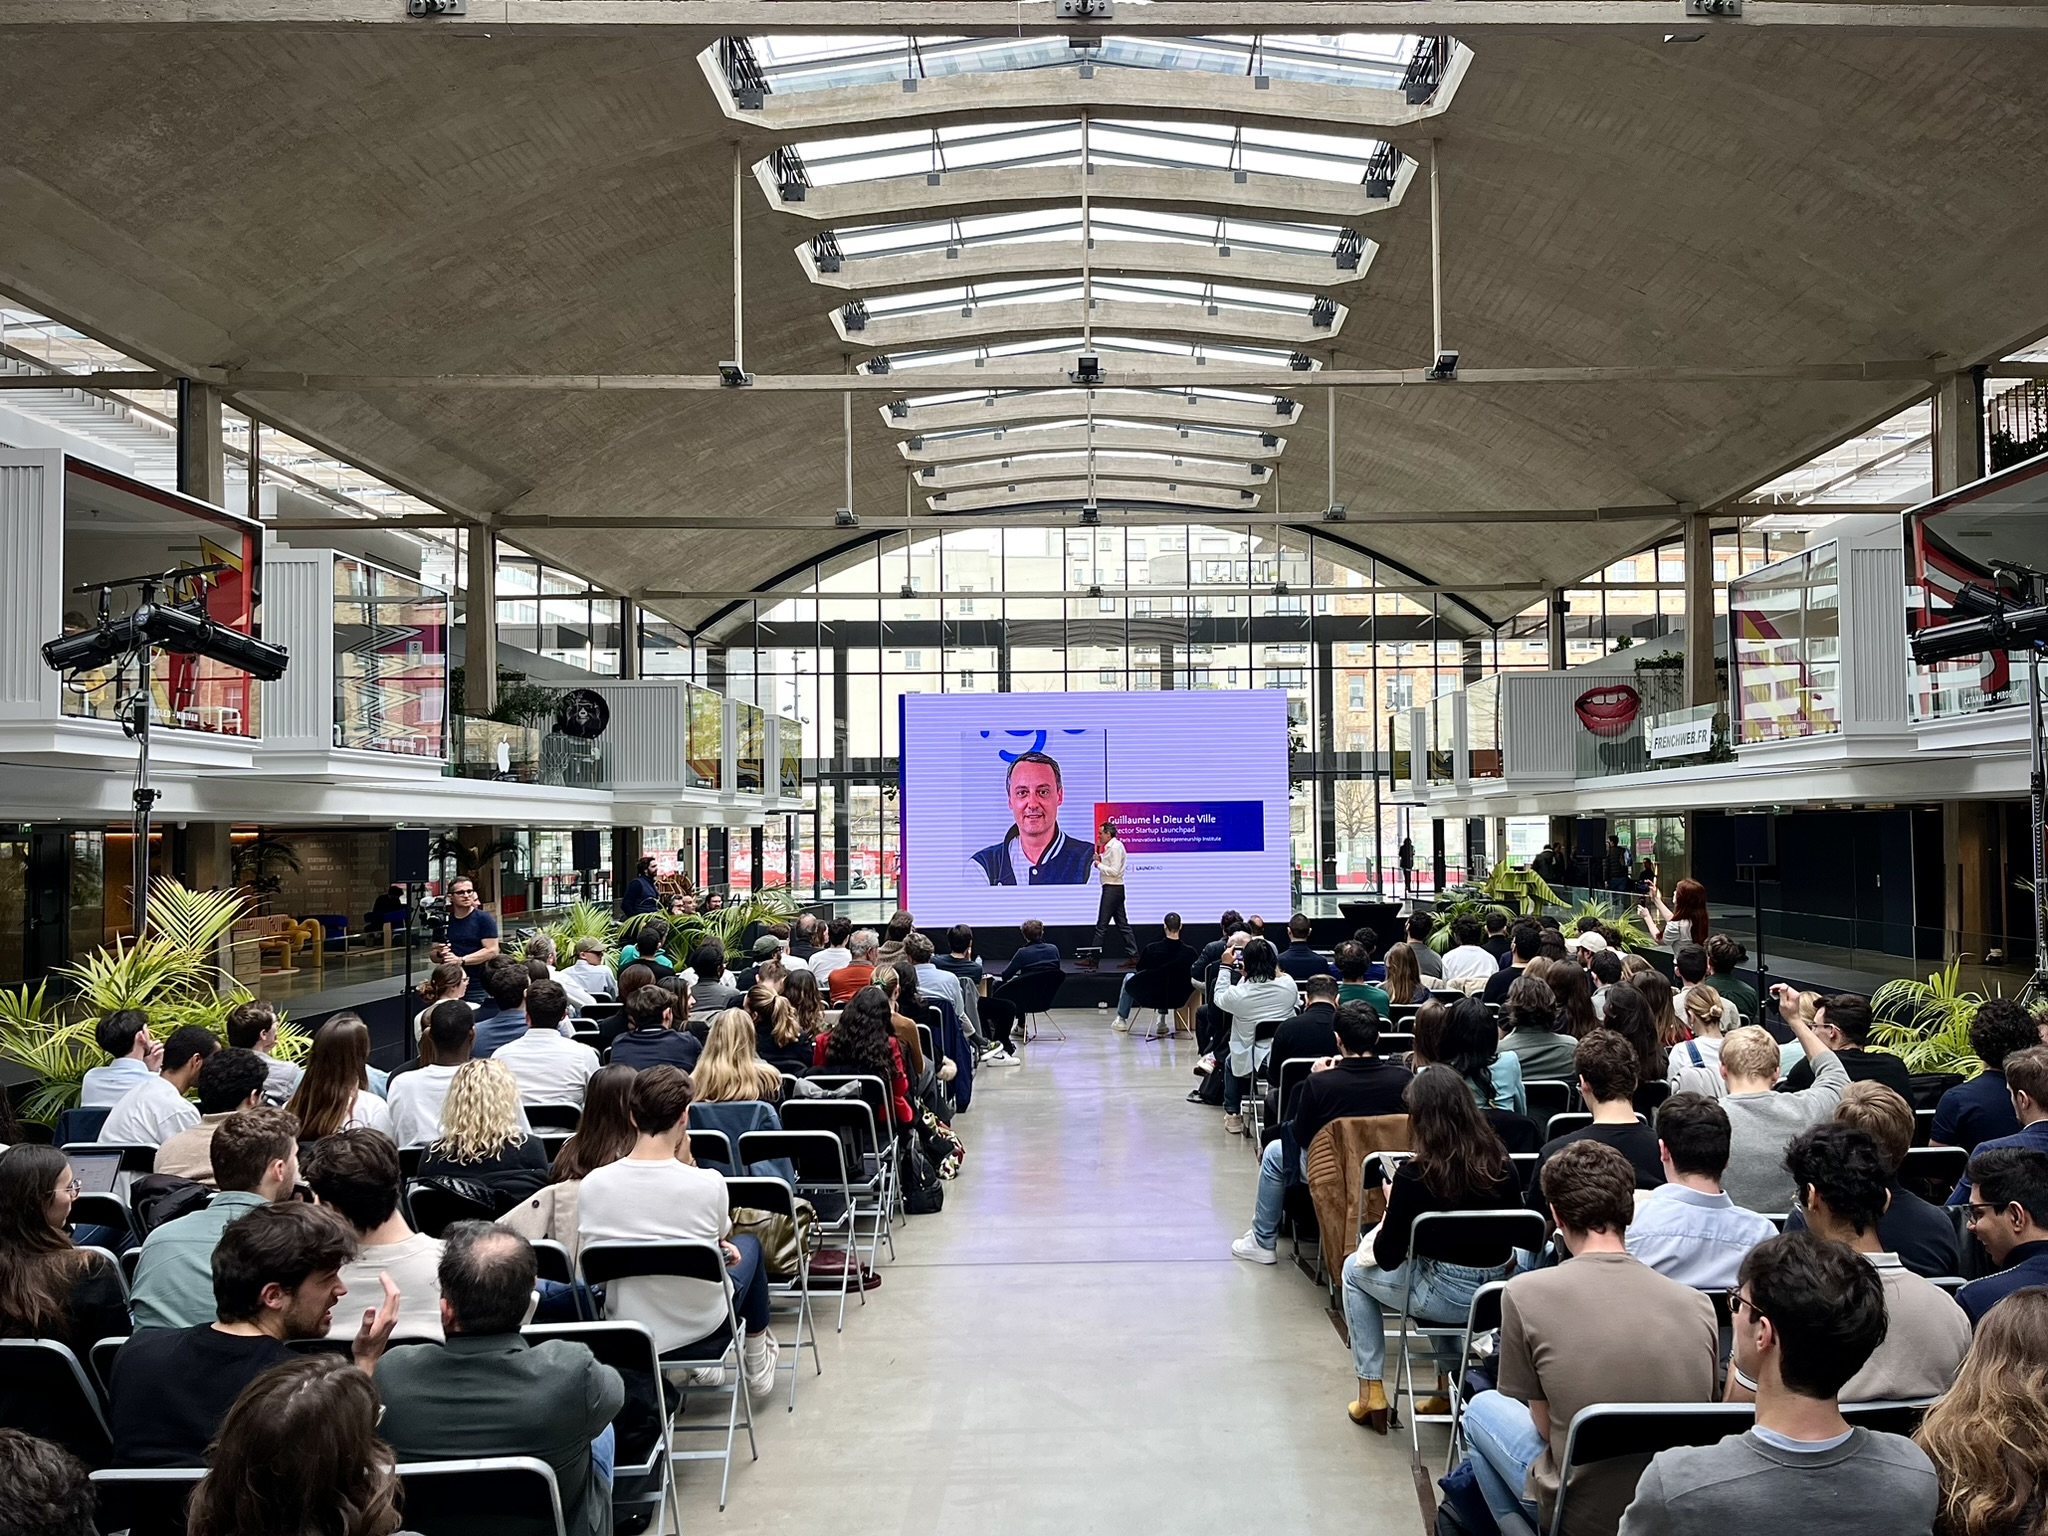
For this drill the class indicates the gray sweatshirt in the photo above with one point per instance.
(1762, 1125)
(1872, 1484)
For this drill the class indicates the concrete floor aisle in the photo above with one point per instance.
(1069, 1346)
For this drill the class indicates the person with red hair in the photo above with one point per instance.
(1684, 921)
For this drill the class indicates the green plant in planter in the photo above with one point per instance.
(1926, 1024)
(1635, 937)
(170, 973)
(1522, 891)
(770, 904)
(1462, 901)
(584, 920)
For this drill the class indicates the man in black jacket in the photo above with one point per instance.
(1353, 1083)
(1311, 1033)
(1163, 978)
(1299, 959)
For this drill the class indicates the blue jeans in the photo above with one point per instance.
(1273, 1182)
(1124, 1005)
(1234, 1087)
(1504, 1444)
(1442, 1293)
(604, 1455)
(750, 1283)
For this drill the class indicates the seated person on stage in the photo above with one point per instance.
(1532, 1033)
(652, 1035)
(1353, 1084)
(2009, 1216)
(549, 1066)
(229, 1080)
(416, 1097)
(1808, 1315)
(1310, 1034)
(1606, 1069)
(1459, 1165)
(276, 1276)
(252, 1026)
(1163, 977)
(657, 1192)
(1036, 952)
(1921, 1234)
(356, 1173)
(1299, 959)
(124, 1035)
(156, 1109)
(1686, 1228)
(1469, 959)
(1842, 1021)
(1981, 1109)
(487, 1392)
(255, 1157)
(1354, 970)
(859, 970)
(1842, 1178)
(1602, 1327)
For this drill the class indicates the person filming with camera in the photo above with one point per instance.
(471, 937)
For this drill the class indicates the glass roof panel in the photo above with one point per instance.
(1152, 346)
(1106, 222)
(795, 64)
(1111, 141)
(1164, 290)
(1079, 396)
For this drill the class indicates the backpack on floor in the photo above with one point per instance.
(923, 1194)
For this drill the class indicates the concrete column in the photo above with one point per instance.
(480, 624)
(1553, 628)
(1958, 430)
(629, 639)
(202, 462)
(758, 848)
(1700, 684)
(210, 855)
(626, 852)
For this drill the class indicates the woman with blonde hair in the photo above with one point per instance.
(1404, 977)
(333, 1094)
(481, 1137)
(728, 1071)
(1988, 1438)
(1633, 965)
(780, 1038)
(1702, 1016)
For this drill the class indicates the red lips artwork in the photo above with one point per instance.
(1608, 710)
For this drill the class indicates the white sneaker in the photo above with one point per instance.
(1233, 1125)
(1120, 1025)
(760, 1369)
(705, 1376)
(1247, 1248)
(1001, 1058)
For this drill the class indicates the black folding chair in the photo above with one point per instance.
(819, 1158)
(482, 1496)
(1482, 1316)
(1525, 1167)
(553, 1261)
(871, 1163)
(1923, 1126)
(1433, 1232)
(149, 1501)
(1292, 1074)
(1031, 993)
(1931, 1172)
(44, 1392)
(682, 1262)
(100, 1358)
(1606, 1431)
(1395, 1042)
(778, 1199)
(104, 1210)
(435, 1210)
(1649, 1096)
(553, 1139)
(554, 1117)
(1564, 1124)
(713, 1150)
(641, 1481)
(1549, 1096)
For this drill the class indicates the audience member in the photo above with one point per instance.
(1311, 1033)
(1471, 1044)
(729, 1071)
(658, 1193)
(2008, 1209)
(1808, 1315)
(1626, 1012)
(356, 1173)
(1658, 993)
(255, 1164)
(1468, 958)
(276, 1276)
(1251, 991)
(933, 979)
(1605, 1065)
(417, 1097)
(1981, 1109)
(298, 1454)
(1988, 1437)
(487, 1392)
(333, 1093)
(1705, 1018)
(1355, 1083)
(1922, 1235)
(1842, 1178)
(484, 1138)
(647, 944)
(444, 982)
(1723, 956)
(252, 1026)
(1572, 986)
(1459, 1165)
(1036, 952)
(1605, 966)
(1354, 965)
(44, 1489)
(859, 969)
(711, 989)
(899, 982)
(1300, 958)
(1526, 940)
(1497, 942)
(835, 953)
(1842, 1020)
(156, 1108)
(50, 1288)
(134, 1056)
(1764, 1122)
(1535, 1033)
(1405, 984)
(1686, 1228)
(652, 1037)
(864, 1042)
(228, 1080)
(1162, 978)
(1602, 1327)
(803, 942)
(549, 1066)
(605, 1133)
(2026, 1081)
(780, 1039)
(1427, 961)
(505, 983)
(590, 972)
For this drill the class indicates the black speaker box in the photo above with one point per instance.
(1750, 839)
(409, 856)
(584, 849)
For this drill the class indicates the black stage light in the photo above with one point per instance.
(1446, 366)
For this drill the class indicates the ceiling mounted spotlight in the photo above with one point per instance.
(1335, 512)
(733, 376)
(906, 591)
(1091, 515)
(842, 517)
(1087, 369)
(1095, 591)
(1446, 366)
(1279, 589)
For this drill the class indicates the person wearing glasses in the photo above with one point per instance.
(2008, 1214)
(50, 1288)
(472, 937)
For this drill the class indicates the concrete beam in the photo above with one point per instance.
(1163, 439)
(202, 457)
(997, 410)
(1074, 489)
(1120, 466)
(1958, 430)
(965, 324)
(1406, 589)
(480, 624)
(983, 18)
(973, 263)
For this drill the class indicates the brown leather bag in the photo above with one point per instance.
(1336, 1160)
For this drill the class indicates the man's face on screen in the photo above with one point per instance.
(1035, 797)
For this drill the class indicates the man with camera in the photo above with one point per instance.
(471, 936)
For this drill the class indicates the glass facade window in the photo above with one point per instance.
(706, 754)
(750, 748)
(551, 613)
(390, 661)
(1786, 637)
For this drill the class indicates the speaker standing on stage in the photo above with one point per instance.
(1109, 864)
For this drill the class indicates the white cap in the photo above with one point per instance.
(1591, 942)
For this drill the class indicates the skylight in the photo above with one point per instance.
(1148, 347)
(1106, 222)
(1162, 290)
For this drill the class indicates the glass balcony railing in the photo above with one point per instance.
(524, 754)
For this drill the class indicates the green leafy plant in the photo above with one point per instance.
(1460, 902)
(584, 920)
(1926, 1024)
(260, 864)
(1521, 891)
(770, 904)
(1621, 921)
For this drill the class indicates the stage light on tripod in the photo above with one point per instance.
(183, 630)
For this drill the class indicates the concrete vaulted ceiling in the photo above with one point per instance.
(394, 200)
